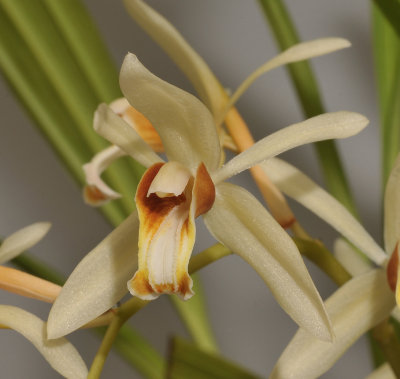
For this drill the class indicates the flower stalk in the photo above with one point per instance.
(129, 308)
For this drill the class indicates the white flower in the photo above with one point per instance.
(187, 184)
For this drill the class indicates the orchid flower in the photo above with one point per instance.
(170, 196)
(59, 353)
(364, 301)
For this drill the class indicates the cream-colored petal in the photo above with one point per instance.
(60, 354)
(298, 186)
(326, 126)
(392, 208)
(184, 124)
(97, 192)
(98, 282)
(171, 180)
(353, 262)
(191, 64)
(354, 308)
(243, 225)
(384, 371)
(22, 240)
(298, 52)
(113, 128)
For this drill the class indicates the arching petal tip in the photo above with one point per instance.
(94, 196)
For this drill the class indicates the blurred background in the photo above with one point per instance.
(233, 38)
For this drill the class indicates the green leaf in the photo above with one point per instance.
(391, 10)
(188, 361)
(34, 52)
(387, 69)
(54, 59)
(308, 93)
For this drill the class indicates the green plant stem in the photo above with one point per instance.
(105, 347)
(316, 252)
(310, 99)
(132, 306)
(385, 335)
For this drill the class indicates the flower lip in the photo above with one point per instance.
(168, 200)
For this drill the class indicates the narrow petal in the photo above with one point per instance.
(24, 284)
(322, 127)
(98, 282)
(184, 124)
(97, 192)
(187, 59)
(242, 224)
(384, 371)
(296, 53)
(113, 128)
(138, 122)
(60, 354)
(298, 186)
(22, 240)
(168, 200)
(352, 261)
(354, 308)
(392, 208)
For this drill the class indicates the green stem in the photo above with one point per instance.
(316, 252)
(310, 99)
(385, 335)
(105, 347)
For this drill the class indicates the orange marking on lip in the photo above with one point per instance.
(140, 284)
(184, 286)
(391, 269)
(203, 190)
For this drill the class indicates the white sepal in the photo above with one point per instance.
(60, 354)
(243, 225)
(22, 240)
(98, 282)
(184, 124)
(301, 188)
(117, 131)
(354, 308)
(326, 126)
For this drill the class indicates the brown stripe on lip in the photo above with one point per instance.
(203, 190)
(391, 269)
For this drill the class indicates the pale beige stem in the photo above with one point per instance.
(22, 283)
(271, 194)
